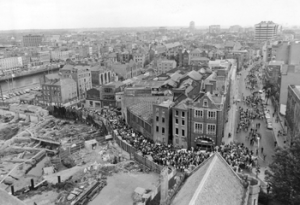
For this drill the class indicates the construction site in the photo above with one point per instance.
(56, 161)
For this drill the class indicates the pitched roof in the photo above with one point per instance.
(195, 75)
(7, 199)
(143, 110)
(67, 67)
(213, 183)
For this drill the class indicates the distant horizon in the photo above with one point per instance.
(94, 14)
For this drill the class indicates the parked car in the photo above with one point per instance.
(270, 126)
(267, 116)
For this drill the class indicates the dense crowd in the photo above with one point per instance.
(238, 156)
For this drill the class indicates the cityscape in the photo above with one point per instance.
(149, 104)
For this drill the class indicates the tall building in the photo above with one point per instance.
(32, 40)
(266, 30)
(192, 25)
(214, 29)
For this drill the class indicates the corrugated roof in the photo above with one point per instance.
(214, 183)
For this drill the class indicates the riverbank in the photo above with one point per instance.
(28, 73)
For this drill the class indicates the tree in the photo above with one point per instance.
(284, 177)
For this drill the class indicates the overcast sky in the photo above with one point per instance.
(48, 14)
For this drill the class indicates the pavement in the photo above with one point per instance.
(268, 136)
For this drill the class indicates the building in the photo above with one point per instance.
(290, 75)
(81, 75)
(183, 57)
(44, 57)
(198, 57)
(58, 91)
(162, 124)
(266, 30)
(214, 29)
(203, 187)
(293, 113)
(101, 75)
(132, 70)
(11, 64)
(93, 98)
(164, 65)
(192, 26)
(139, 59)
(235, 29)
(61, 55)
(108, 92)
(32, 40)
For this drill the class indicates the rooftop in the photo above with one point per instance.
(213, 183)
(143, 110)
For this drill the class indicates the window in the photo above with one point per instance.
(182, 122)
(176, 131)
(211, 115)
(91, 103)
(157, 118)
(198, 127)
(177, 141)
(176, 121)
(211, 129)
(183, 132)
(163, 120)
(157, 129)
(198, 113)
(176, 114)
(163, 131)
(182, 114)
(205, 103)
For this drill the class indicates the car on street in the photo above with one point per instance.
(267, 116)
(270, 126)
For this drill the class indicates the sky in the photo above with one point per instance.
(65, 14)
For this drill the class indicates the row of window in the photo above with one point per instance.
(210, 114)
(210, 128)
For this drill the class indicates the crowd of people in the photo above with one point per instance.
(238, 156)
(165, 155)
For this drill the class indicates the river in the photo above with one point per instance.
(22, 82)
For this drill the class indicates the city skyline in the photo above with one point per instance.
(34, 14)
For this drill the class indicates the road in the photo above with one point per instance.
(267, 141)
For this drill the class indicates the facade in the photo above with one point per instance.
(44, 57)
(58, 91)
(198, 57)
(32, 40)
(290, 75)
(214, 29)
(132, 70)
(266, 30)
(61, 55)
(139, 59)
(108, 92)
(293, 113)
(184, 58)
(235, 29)
(93, 98)
(164, 65)
(101, 75)
(81, 75)
(9, 65)
(161, 122)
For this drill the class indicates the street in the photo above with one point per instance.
(267, 140)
